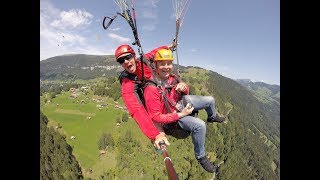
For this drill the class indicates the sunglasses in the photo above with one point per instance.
(122, 59)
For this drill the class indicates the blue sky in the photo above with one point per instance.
(239, 39)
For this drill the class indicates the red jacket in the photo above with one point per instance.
(156, 106)
(130, 86)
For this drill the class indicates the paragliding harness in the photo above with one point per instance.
(172, 129)
(140, 84)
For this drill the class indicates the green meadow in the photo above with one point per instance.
(86, 120)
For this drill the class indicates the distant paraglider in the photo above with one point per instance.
(61, 39)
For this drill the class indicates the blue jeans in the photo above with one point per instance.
(201, 102)
(196, 126)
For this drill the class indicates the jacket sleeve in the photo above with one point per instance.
(155, 106)
(151, 54)
(136, 109)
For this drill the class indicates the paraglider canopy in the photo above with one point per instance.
(180, 8)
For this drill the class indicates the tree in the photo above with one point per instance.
(109, 141)
(56, 158)
(192, 89)
(101, 142)
(118, 120)
(105, 141)
(125, 117)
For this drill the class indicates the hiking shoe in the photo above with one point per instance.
(218, 119)
(207, 165)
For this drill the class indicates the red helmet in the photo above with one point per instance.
(124, 50)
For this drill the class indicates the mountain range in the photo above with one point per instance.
(78, 66)
(264, 92)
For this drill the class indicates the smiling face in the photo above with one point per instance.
(164, 69)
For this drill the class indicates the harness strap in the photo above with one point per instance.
(164, 90)
(150, 66)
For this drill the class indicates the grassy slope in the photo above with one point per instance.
(72, 116)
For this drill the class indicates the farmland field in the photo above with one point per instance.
(85, 119)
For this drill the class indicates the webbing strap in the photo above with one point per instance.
(163, 92)
(154, 78)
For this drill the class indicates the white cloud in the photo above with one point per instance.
(154, 3)
(149, 27)
(66, 32)
(57, 39)
(118, 38)
(150, 14)
(73, 18)
(46, 8)
(89, 50)
(114, 29)
(150, 9)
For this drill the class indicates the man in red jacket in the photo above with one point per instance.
(131, 84)
(165, 106)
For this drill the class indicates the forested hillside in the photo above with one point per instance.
(266, 93)
(56, 158)
(78, 66)
(247, 146)
(252, 138)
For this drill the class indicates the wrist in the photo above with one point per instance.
(180, 115)
(160, 134)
